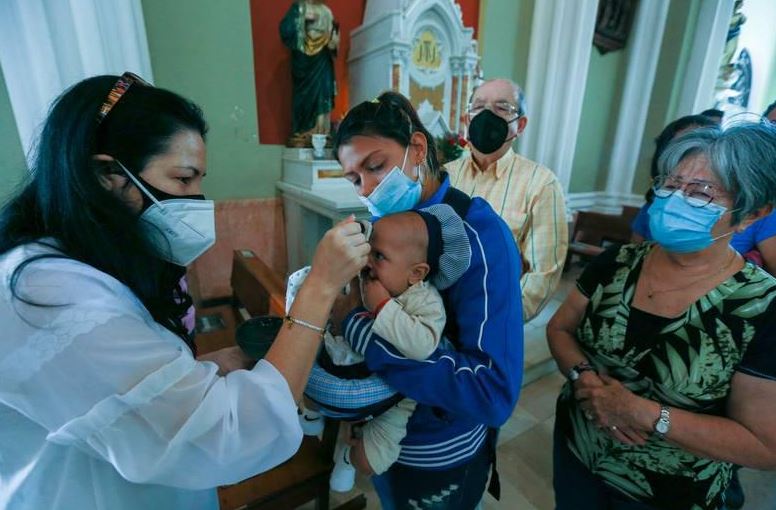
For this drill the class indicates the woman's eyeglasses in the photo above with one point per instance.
(696, 193)
(120, 88)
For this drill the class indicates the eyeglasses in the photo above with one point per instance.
(501, 108)
(120, 88)
(695, 193)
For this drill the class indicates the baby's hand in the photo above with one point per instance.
(374, 293)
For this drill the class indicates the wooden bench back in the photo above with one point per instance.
(256, 287)
(595, 228)
(592, 231)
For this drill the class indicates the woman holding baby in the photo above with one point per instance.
(469, 386)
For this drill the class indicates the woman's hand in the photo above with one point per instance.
(614, 407)
(588, 380)
(339, 257)
(228, 359)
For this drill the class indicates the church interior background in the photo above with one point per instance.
(594, 109)
(592, 115)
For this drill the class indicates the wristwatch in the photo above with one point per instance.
(663, 424)
(576, 371)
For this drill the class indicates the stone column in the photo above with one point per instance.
(456, 69)
(642, 55)
(399, 63)
(561, 41)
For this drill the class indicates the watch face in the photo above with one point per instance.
(662, 426)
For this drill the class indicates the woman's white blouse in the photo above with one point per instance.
(101, 407)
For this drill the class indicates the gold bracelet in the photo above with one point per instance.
(293, 320)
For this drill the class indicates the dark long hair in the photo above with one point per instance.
(669, 133)
(769, 109)
(64, 201)
(391, 116)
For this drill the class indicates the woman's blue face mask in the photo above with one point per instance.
(680, 227)
(395, 193)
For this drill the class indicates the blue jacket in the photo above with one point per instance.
(460, 391)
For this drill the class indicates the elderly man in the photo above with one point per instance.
(527, 195)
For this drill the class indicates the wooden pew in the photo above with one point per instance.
(304, 477)
(256, 287)
(592, 232)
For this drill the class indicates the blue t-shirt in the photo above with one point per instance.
(754, 234)
(743, 242)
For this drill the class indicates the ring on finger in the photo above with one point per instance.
(589, 415)
(613, 427)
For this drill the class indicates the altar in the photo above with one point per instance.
(421, 49)
(315, 197)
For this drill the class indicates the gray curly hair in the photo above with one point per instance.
(742, 156)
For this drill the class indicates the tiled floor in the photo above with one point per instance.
(524, 454)
(525, 441)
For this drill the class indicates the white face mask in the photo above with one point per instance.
(181, 229)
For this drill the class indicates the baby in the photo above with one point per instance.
(413, 255)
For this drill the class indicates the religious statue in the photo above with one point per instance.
(308, 29)
(734, 80)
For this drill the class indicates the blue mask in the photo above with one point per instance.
(679, 227)
(395, 193)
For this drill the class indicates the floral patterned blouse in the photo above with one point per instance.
(685, 362)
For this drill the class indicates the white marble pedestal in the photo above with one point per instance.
(315, 197)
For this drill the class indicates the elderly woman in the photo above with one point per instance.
(670, 347)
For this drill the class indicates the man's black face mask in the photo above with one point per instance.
(488, 132)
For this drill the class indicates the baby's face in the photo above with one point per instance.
(395, 252)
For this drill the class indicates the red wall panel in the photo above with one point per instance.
(272, 60)
(470, 11)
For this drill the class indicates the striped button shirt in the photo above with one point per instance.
(530, 199)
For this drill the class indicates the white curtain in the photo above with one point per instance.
(48, 45)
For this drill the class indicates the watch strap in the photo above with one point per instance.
(663, 424)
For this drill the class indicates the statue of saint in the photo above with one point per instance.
(308, 29)
(734, 79)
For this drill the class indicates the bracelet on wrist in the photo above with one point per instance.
(577, 370)
(290, 321)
